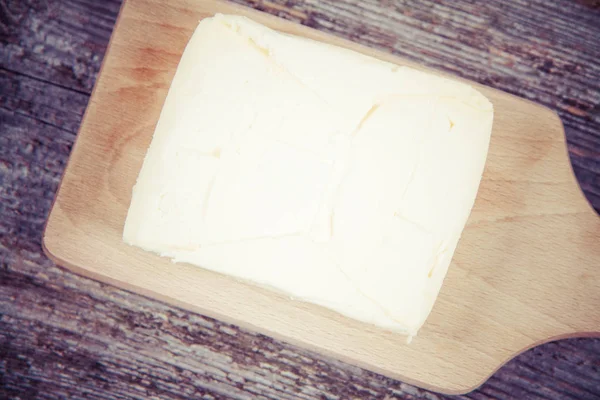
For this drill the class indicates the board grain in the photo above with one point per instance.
(525, 271)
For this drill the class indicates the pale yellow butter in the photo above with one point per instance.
(333, 177)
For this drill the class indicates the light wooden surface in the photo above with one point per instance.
(524, 271)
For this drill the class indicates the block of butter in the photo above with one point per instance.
(335, 178)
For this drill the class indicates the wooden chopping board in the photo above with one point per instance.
(526, 271)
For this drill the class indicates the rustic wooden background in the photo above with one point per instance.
(65, 336)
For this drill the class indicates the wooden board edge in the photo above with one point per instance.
(48, 226)
(580, 191)
(457, 389)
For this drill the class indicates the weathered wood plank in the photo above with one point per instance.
(50, 104)
(65, 336)
(61, 42)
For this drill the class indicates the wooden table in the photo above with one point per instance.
(66, 336)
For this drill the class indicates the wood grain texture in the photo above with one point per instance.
(47, 359)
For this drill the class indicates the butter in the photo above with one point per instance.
(330, 176)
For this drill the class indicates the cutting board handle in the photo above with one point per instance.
(566, 242)
(579, 264)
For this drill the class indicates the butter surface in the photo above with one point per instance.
(322, 173)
